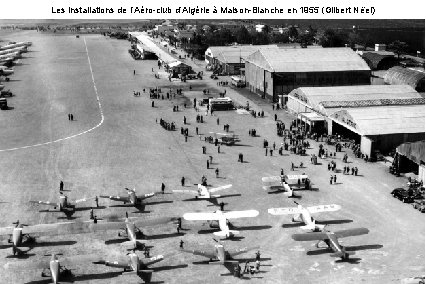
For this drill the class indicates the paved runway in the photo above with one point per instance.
(130, 150)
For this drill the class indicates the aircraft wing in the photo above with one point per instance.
(324, 208)
(220, 188)
(85, 199)
(315, 236)
(272, 179)
(185, 191)
(147, 195)
(116, 198)
(206, 253)
(284, 211)
(201, 216)
(351, 232)
(236, 252)
(6, 232)
(152, 260)
(45, 203)
(24, 265)
(241, 214)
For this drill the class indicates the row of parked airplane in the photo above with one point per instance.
(8, 54)
(129, 229)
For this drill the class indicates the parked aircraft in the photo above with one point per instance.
(134, 265)
(219, 255)
(204, 193)
(15, 44)
(52, 268)
(302, 214)
(20, 234)
(63, 205)
(21, 49)
(222, 218)
(13, 55)
(277, 184)
(6, 72)
(331, 240)
(131, 198)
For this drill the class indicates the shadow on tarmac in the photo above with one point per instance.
(168, 267)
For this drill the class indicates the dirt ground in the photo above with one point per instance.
(115, 143)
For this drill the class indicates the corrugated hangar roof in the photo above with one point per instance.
(308, 60)
(388, 119)
(323, 99)
(400, 75)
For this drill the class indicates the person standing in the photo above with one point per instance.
(97, 201)
(222, 206)
(218, 149)
(217, 172)
(331, 179)
(69, 116)
(61, 185)
(335, 178)
(134, 72)
(163, 187)
(208, 164)
(181, 244)
(182, 181)
(217, 120)
(72, 117)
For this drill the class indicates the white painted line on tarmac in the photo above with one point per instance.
(78, 134)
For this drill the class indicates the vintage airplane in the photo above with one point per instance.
(52, 268)
(63, 205)
(21, 234)
(277, 184)
(134, 265)
(21, 49)
(219, 255)
(302, 214)
(6, 72)
(131, 198)
(331, 240)
(15, 44)
(13, 55)
(204, 193)
(222, 219)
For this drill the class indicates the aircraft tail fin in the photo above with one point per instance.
(226, 234)
(342, 254)
(313, 226)
(145, 274)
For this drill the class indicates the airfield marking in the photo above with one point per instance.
(78, 134)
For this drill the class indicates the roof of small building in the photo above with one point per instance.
(308, 60)
(216, 50)
(400, 75)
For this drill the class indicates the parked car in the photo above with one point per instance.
(419, 205)
(397, 191)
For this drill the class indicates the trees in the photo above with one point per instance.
(398, 47)
(243, 36)
(332, 39)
